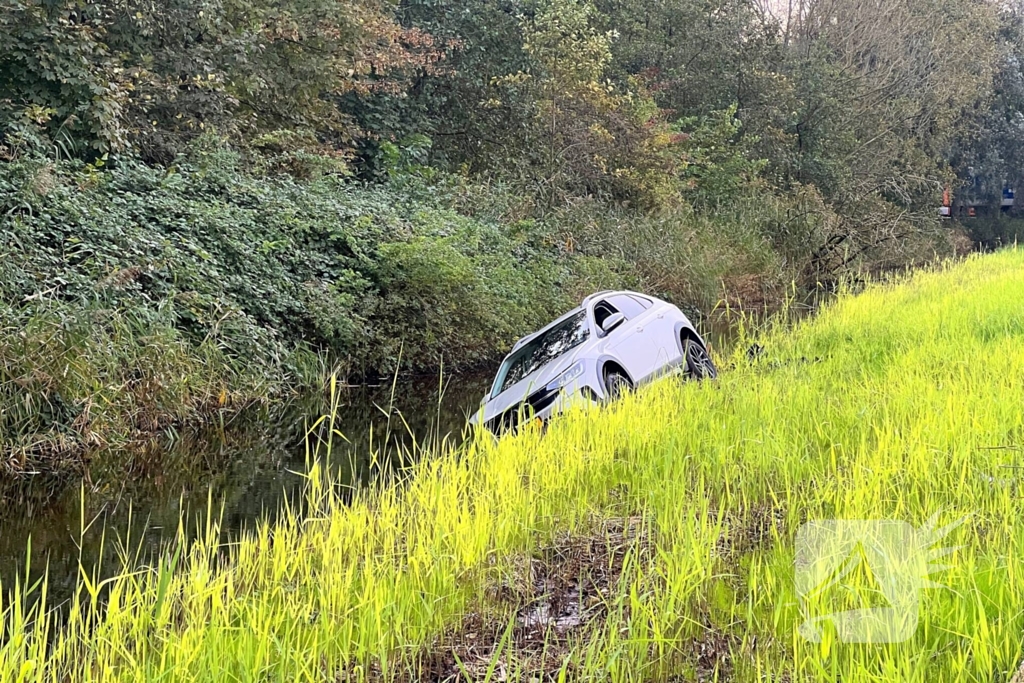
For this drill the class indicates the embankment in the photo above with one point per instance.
(650, 540)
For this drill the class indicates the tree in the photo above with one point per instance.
(882, 92)
(110, 75)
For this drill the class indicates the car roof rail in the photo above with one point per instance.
(597, 294)
(521, 341)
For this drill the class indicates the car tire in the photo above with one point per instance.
(615, 384)
(699, 365)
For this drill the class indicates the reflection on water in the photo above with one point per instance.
(246, 468)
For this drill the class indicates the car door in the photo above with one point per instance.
(660, 328)
(629, 342)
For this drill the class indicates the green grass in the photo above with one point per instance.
(79, 383)
(898, 403)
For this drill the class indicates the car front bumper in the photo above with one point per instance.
(542, 405)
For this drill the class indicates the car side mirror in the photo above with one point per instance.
(612, 321)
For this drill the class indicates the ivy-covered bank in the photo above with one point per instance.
(136, 296)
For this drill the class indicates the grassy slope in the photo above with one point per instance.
(887, 405)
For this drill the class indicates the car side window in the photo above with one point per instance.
(603, 309)
(629, 306)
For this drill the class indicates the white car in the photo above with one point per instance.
(612, 341)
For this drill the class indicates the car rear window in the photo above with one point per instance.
(541, 350)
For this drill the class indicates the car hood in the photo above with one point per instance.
(540, 378)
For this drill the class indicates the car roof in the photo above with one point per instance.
(583, 304)
(612, 292)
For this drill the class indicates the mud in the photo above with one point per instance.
(536, 615)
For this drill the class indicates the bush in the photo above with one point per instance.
(992, 232)
(136, 296)
(133, 296)
(261, 264)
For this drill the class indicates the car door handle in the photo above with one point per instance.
(639, 328)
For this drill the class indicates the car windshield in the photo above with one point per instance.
(541, 350)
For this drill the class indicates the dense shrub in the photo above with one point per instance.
(994, 231)
(259, 265)
(83, 77)
(133, 296)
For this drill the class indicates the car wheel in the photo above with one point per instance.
(616, 384)
(698, 362)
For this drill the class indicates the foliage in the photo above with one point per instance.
(871, 111)
(716, 162)
(107, 75)
(699, 56)
(858, 115)
(256, 262)
(585, 138)
(134, 296)
(994, 232)
(379, 583)
(990, 154)
(60, 80)
(427, 180)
